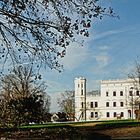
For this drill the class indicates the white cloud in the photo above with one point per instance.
(75, 55)
(102, 59)
(107, 33)
(104, 48)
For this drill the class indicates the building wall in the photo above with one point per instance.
(113, 101)
(80, 98)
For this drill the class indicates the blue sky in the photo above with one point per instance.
(109, 52)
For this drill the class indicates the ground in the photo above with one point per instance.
(115, 133)
(122, 132)
(88, 130)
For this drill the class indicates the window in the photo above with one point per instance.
(122, 114)
(91, 104)
(114, 104)
(82, 115)
(107, 104)
(115, 114)
(130, 93)
(78, 85)
(92, 115)
(114, 93)
(121, 104)
(107, 114)
(82, 104)
(81, 84)
(121, 93)
(107, 94)
(96, 114)
(137, 93)
(96, 104)
(81, 91)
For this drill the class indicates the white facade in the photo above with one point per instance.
(112, 102)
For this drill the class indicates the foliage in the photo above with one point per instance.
(22, 98)
(62, 116)
(38, 31)
(26, 110)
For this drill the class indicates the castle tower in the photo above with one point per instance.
(80, 98)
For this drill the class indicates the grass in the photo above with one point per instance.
(78, 125)
(67, 129)
(47, 125)
(117, 124)
(98, 124)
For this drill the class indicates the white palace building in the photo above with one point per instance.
(117, 99)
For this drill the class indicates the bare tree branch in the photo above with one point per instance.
(39, 31)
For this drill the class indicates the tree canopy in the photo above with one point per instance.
(38, 31)
(22, 99)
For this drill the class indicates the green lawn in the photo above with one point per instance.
(67, 129)
(98, 124)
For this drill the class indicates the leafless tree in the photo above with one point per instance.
(134, 97)
(38, 31)
(23, 99)
(66, 103)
